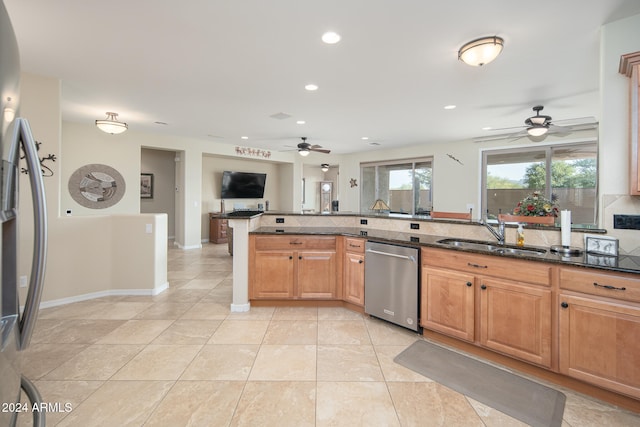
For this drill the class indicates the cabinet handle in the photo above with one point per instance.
(477, 265)
(608, 287)
(360, 261)
(564, 305)
(469, 284)
(483, 287)
(299, 256)
(295, 243)
(290, 256)
(351, 245)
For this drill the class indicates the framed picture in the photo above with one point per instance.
(146, 186)
(601, 245)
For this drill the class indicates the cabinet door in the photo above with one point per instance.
(447, 302)
(516, 320)
(354, 278)
(316, 274)
(600, 343)
(274, 274)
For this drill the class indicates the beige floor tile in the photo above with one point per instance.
(158, 362)
(393, 371)
(96, 362)
(240, 332)
(348, 363)
(276, 404)
(337, 313)
(119, 310)
(188, 332)
(40, 359)
(222, 362)
(179, 295)
(165, 310)
(285, 363)
(203, 283)
(354, 404)
(417, 402)
(256, 313)
(77, 331)
(207, 311)
(291, 332)
(76, 310)
(295, 313)
(586, 412)
(343, 332)
(385, 333)
(197, 403)
(118, 403)
(71, 393)
(136, 332)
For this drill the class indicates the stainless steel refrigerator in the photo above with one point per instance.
(16, 327)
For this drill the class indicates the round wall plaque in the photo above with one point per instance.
(96, 186)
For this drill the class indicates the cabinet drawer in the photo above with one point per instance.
(354, 245)
(488, 265)
(622, 286)
(292, 242)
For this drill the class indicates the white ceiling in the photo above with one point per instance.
(218, 70)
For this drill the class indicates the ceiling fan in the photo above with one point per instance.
(538, 126)
(304, 148)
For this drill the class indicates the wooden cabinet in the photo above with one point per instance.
(448, 302)
(292, 267)
(630, 66)
(477, 298)
(353, 276)
(599, 324)
(217, 229)
(515, 319)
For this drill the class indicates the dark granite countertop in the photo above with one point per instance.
(621, 263)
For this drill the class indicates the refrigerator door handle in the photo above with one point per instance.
(36, 281)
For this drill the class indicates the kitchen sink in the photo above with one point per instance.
(480, 245)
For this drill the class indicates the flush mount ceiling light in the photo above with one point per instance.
(111, 124)
(304, 152)
(324, 167)
(481, 51)
(331, 37)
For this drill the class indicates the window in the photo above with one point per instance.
(564, 173)
(404, 185)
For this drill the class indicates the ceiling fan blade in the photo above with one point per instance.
(513, 136)
(320, 150)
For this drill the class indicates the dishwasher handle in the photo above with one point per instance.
(410, 258)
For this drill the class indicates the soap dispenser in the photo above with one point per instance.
(520, 235)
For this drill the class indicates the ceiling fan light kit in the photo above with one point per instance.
(111, 124)
(304, 148)
(481, 51)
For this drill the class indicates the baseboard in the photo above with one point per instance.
(111, 292)
(240, 308)
(187, 247)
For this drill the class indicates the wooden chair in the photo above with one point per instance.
(452, 215)
(548, 220)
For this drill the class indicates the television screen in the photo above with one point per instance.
(243, 185)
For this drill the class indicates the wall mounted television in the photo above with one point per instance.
(243, 185)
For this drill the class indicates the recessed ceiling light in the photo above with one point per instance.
(311, 87)
(449, 107)
(300, 122)
(487, 128)
(364, 138)
(244, 137)
(331, 37)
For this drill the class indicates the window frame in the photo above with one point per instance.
(548, 150)
(397, 162)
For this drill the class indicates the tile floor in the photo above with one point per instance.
(181, 358)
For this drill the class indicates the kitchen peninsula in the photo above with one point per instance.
(562, 307)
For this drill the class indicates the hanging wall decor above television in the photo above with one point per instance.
(243, 185)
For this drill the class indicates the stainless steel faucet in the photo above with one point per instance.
(499, 235)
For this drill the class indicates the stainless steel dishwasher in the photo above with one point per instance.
(391, 283)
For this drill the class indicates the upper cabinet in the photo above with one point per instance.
(630, 67)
